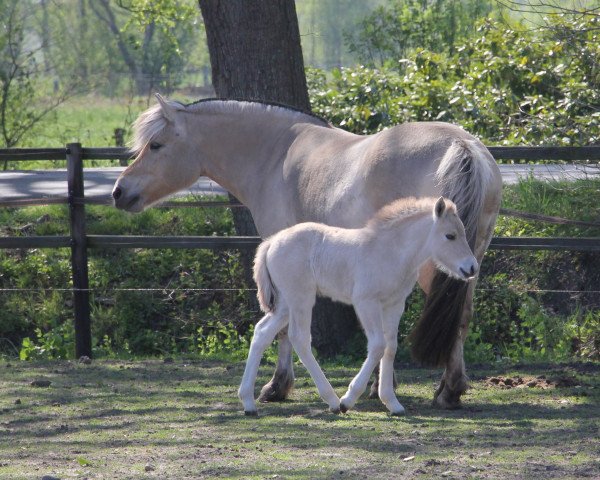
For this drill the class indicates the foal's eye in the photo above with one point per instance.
(155, 146)
(451, 236)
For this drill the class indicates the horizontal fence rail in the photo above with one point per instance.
(79, 242)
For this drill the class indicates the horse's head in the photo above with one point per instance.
(451, 251)
(162, 165)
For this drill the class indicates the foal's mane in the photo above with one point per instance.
(151, 122)
(405, 209)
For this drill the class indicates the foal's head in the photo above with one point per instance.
(450, 249)
(162, 165)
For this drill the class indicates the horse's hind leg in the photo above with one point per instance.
(264, 333)
(454, 380)
(299, 333)
(282, 382)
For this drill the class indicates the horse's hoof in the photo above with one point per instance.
(251, 413)
(277, 390)
(343, 408)
(444, 405)
(374, 392)
(447, 400)
(336, 411)
(398, 413)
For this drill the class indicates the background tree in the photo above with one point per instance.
(155, 58)
(24, 99)
(255, 54)
(390, 31)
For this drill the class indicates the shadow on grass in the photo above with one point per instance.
(191, 409)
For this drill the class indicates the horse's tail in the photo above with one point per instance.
(463, 175)
(266, 289)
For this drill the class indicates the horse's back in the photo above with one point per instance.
(346, 178)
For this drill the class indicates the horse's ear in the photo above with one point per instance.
(167, 110)
(440, 207)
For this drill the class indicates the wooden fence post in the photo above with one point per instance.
(79, 265)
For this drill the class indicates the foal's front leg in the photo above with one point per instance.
(386, 381)
(370, 316)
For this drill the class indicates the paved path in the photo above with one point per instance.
(18, 185)
(98, 184)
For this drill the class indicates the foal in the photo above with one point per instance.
(373, 268)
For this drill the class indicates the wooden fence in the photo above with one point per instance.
(79, 242)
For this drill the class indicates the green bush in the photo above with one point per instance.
(505, 85)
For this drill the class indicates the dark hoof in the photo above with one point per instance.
(251, 413)
(447, 400)
(447, 405)
(277, 390)
(374, 392)
(336, 411)
(343, 408)
(400, 413)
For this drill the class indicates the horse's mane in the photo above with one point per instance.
(405, 209)
(254, 103)
(151, 122)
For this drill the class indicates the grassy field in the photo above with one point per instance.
(181, 419)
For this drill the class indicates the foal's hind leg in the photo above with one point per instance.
(299, 333)
(264, 333)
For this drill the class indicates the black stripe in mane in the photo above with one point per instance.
(261, 102)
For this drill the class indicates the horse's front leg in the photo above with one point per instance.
(454, 381)
(282, 382)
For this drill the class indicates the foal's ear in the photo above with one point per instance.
(440, 207)
(167, 110)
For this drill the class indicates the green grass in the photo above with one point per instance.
(114, 419)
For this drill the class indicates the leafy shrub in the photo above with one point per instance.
(506, 85)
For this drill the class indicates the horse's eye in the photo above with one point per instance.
(450, 236)
(155, 146)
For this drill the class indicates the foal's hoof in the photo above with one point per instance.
(343, 408)
(251, 413)
(335, 411)
(398, 413)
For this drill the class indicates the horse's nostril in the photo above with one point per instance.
(117, 192)
(472, 269)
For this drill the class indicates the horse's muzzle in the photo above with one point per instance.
(469, 272)
(124, 202)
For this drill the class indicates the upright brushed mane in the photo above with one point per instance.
(152, 122)
(405, 209)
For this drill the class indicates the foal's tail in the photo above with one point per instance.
(463, 175)
(266, 289)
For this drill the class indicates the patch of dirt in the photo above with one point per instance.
(540, 381)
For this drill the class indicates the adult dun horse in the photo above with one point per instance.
(289, 167)
(373, 268)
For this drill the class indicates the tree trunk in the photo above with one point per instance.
(255, 54)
